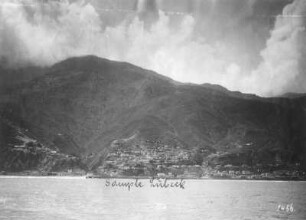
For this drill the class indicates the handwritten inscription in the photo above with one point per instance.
(153, 183)
(165, 183)
(124, 184)
(285, 208)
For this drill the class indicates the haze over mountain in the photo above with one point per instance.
(81, 105)
(254, 46)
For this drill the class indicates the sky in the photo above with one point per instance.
(252, 46)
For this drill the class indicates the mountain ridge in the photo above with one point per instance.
(80, 106)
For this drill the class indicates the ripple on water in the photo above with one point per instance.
(57, 198)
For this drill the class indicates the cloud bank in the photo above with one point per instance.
(238, 44)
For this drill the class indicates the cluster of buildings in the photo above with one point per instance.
(33, 146)
(145, 159)
(255, 173)
(154, 159)
(51, 161)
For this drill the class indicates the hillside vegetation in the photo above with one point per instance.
(89, 107)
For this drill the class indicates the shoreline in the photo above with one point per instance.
(40, 177)
(145, 178)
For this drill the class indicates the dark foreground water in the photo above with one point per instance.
(86, 199)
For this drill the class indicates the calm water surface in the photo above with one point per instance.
(72, 198)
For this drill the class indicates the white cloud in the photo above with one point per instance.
(280, 67)
(55, 31)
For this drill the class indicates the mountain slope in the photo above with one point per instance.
(82, 105)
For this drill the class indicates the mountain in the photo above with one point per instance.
(293, 95)
(89, 110)
(12, 77)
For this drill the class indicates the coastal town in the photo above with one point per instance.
(147, 159)
(154, 159)
(133, 157)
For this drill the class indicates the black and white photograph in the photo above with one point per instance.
(152, 109)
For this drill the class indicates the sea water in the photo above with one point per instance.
(86, 199)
